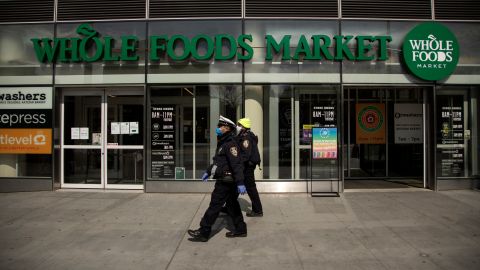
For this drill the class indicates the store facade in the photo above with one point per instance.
(132, 104)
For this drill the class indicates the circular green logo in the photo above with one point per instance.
(370, 119)
(431, 51)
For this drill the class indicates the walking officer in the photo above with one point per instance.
(248, 143)
(227, 170)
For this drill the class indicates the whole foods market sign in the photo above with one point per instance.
(92, 47)
(431, 51)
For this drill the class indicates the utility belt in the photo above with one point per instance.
(226, 177)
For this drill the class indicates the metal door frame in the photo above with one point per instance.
(103, 147)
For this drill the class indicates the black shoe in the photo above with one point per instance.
(236, 234)
(254, 214)
(197, 236)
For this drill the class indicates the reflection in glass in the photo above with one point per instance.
(169, 136)
(123, 110)
(393, 159)
(17, 55)
(82, 112)
(82, 166)
(276, 132)
(125, 166)
(458, 129)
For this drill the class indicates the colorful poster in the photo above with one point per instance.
(324, 143)
(26, 141)
(370, 123)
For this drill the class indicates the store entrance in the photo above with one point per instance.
(384, 137)
(316, 120)
(102, 138)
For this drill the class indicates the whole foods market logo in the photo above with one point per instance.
(370, 119)
(431, 51)
(92, 46)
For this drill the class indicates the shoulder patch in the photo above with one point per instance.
(246, 143)
(234, 151)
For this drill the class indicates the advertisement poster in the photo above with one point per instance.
(451, 146)
(408, 123)
(163, 141)
(370, 123)
(324, 143)
(22, 98)
(322, 116)
(25, 120)
(25, 141)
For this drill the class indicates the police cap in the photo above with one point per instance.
(223, 121)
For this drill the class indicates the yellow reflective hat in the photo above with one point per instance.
(245, 122)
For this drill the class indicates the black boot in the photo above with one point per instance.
(254, 214)
(236, 234)
(198, 235)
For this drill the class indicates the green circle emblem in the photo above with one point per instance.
(370, 119)
(431, 51)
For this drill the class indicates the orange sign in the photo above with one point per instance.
(370, 124)
(25, 141)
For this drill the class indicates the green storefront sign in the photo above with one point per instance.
(431, 51)
(92, 47)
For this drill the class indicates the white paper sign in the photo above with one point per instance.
(408, 122)
(75, 133)
(124, 128)
(133, 127)
(84, 133)
(115, 128)
(96, 138)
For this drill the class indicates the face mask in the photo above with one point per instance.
(218, 131)
(239, 129)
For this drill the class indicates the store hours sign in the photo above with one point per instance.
(163, 141)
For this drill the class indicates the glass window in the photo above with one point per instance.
(317, 108)
(183, 119)
(389, 71)
(18, 62)
(384, 132)
(457, 132)
(259, 70)
(196, 71)
(25, 165)
(105, 71)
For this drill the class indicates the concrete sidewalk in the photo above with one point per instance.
(408, 229)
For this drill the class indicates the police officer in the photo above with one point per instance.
(248, 143)
(227, 169)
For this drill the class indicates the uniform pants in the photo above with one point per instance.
(252, 189)
(223, 193)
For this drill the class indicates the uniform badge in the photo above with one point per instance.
(246, 144)
(234, 151)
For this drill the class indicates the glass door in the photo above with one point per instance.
(316, 143)
(102, 139)
(82, 139)
(124, 145)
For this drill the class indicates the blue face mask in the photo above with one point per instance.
(218, 131)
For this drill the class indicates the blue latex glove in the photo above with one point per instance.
(205, 177)
(242, 189)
